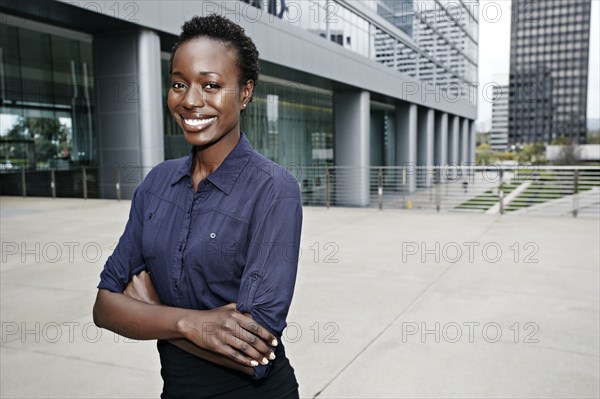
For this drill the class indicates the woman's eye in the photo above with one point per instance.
(212, 86)
(177, 85)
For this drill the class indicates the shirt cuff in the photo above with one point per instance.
(261, 371)
(110, 282)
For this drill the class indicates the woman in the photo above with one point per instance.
(218, 233)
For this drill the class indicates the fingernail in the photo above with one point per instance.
(272, 356)
(274, 342)
(254, 363)
(264, 360)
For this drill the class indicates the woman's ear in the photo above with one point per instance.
(246, 93)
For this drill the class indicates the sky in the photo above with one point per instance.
(494, 55)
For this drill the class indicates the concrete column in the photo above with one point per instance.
(453, 152)
(352, 146)
(472, 142)
(464, 141)
(441, 140)
(406, 141)
(129, 118)
(425, 148)
(377, 131)
(151, 106)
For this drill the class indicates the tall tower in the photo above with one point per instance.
(499, 133)
(548, 70)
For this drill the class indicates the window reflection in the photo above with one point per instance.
(291, 124)
(46, 103)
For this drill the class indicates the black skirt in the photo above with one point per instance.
(186, 376)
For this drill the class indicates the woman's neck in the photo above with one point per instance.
(207, 159)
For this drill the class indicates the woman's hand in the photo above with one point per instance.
(230, 333)
(141, 288)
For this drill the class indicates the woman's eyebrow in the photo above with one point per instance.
(209, 73)
(201, 73)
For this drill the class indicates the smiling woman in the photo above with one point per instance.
(206, 97)
(207, 263)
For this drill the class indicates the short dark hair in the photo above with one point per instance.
(222, 29)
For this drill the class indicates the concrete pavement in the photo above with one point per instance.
(390, 304)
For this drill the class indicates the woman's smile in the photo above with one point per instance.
(192, 123)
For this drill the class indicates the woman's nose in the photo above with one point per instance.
(194, 98)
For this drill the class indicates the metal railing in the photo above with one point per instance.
(518, 189)
(514, 190)
(79, 182)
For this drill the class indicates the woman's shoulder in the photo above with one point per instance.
(273, 176)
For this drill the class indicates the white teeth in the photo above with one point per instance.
(198, 122)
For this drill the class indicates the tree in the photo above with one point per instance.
(484, 154)
(39, 139)
(568, 155)
(562, 140)
(534, 153)
(593, 136)
(569, 152)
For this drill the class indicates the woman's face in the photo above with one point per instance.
(205, 96)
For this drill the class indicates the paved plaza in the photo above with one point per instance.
(388, 304)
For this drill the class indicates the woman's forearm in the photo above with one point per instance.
(135, 319)
(222, 331)
(139, 320)
(142, 289)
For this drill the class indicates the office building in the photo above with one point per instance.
(499, 132)
(548, 70)
(85, 84)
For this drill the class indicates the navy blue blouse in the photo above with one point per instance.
(236, 239)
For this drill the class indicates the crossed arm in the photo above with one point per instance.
(223, 335)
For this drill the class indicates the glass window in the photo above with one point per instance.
(47, 108)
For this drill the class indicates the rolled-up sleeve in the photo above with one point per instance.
(270, 274)
(126, 260)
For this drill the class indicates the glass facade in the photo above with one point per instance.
(444, 32)
(47, 101)
(291, 124)
(398, 12)
(433, 41)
